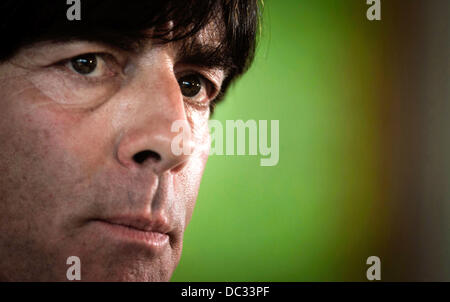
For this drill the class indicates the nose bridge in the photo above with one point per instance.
(155, 105)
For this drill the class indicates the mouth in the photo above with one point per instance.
(153, 235)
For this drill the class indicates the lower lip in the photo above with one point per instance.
(153, 240)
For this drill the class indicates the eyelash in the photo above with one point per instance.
(107, 59)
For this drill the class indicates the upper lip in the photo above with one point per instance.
(145, 224)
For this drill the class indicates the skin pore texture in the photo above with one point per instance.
(67, 151)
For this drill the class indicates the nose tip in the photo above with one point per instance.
(150, 150)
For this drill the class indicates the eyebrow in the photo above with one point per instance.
(210, 56)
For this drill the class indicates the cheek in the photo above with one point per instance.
(54, 133)
(189, 179)
(38, 175)
(33, 152)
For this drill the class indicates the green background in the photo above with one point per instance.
(319, 213)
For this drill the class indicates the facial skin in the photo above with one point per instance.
(69, 177)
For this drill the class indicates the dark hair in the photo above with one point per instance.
(126, 24)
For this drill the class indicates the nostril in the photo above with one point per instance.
(145, 155)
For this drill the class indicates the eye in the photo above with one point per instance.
(190, 85)
(84, 64)
(95, 66)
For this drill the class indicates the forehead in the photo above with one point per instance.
(206, 48)
(211, 36)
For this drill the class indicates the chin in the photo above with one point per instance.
(127, 275)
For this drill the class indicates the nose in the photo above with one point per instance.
(151, 104)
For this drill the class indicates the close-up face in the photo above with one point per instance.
(224, 142)
(86, 159)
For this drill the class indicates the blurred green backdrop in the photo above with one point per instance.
(319, 213)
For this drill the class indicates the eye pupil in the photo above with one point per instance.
(84, 64)
(190, 85)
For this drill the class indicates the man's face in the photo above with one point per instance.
(86, 163)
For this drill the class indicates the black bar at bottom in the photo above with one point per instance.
(223, 291)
